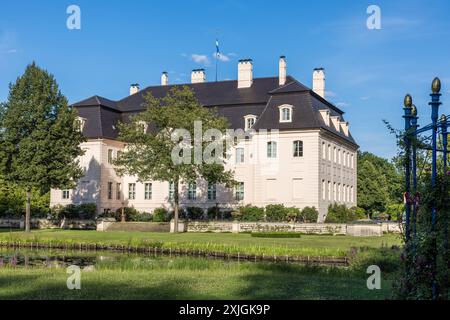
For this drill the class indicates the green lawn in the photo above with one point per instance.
(217, 281)
(205, 279)
(307, 245)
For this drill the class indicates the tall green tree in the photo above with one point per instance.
(150, 143)
(39, 136)
(379, 183)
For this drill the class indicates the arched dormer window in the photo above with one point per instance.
(249, 121)
(143, 125)
(81, 122)
(285, 113)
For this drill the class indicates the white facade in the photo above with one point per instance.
(323, 175)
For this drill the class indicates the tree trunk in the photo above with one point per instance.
(176, 206)
(28, 211)
(123, 215)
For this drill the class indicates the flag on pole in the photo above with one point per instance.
(217, 56)
(217, 49)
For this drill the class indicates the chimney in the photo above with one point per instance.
(198, 76)
(282, 70)
(164, 79)
(245, 73)
(319, 81)
(134, 88)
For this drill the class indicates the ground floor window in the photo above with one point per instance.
(66, 194)
(239, 191)
(131, 191)
(192, 191)
(148, 191)
(171, 191)
(118, 191)
(110, 190)
(212, 191)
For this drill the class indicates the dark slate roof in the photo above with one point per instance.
(261, 99)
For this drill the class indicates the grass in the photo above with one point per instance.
(307, 245)
(193, 279)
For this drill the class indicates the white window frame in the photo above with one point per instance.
(298, 148)
(240, 157)
(65, 194)
(247, 118)
(132, 191)
(192, 191)
(148, 191)
(82, 123)
(272, 151)
(286, 107)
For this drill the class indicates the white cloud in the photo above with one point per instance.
(11, 51)
(200, 59)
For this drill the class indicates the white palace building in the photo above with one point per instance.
(310, 162)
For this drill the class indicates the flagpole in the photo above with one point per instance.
(217, 57)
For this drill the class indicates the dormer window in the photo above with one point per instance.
(250, 121)
(81, 123)
(285, 113)
(143, 125)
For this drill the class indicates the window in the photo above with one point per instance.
(345, 158)
(240, 156)
(131, 191)
(249, 122)
(339, 192)
(334, 192)
(171, 191)
(119, 191)
(344, 194)
(352, 195)
(339, 156)
(110, 155)
(285, 113)
(353, 163)
(110, 190)
(192, 191)
(324, 151)
(66, 194)
(323, 190)
(329, 191)
(298, 149)
(81, 123)
(212, 191)
(335, 155)
(271, 149)
(148, 191)
(240, 191)
(329, 152)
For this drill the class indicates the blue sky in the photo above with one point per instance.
(122, 42)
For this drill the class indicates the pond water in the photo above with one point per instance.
(25, 258)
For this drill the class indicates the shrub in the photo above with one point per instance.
(131, 214)
(293, 214)
(276, 213)
(160, 215)
(339, 214)
(249, 213)
(195, 213)
(358, 213)
(213, 213)
(85, 211)
(395, 211)
(309, 215)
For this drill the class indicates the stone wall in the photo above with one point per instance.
(48, 224)
(358, 230)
